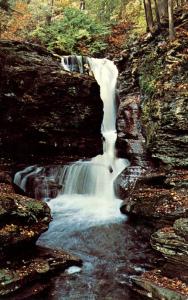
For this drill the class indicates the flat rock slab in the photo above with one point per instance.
(27, 271)
(155, 286)
(157, 204)
(158, 196)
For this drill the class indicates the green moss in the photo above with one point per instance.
(151, 72)
(35, 206)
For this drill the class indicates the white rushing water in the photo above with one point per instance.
(88, 197)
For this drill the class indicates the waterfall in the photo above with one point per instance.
(96, 177)
(87, 196)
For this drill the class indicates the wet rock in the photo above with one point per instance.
(46, 111)
(173, 246)
(30, 268)
(22, 221)
(125, 183)
(130, 141)
(41, 187)
(181, 228)
(154, 195)
(6, 188)
(5, 177)
(177, 178)
(42, 183)
(155, 286)
(172, 243)
(157, 205)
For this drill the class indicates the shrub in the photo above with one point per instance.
(74, 32)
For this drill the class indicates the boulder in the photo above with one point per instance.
(26, 269)
(22, 221)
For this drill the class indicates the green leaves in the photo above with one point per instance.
(74, 32)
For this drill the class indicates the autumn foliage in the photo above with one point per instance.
(20, 19)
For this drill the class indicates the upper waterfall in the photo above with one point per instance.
(106, 73)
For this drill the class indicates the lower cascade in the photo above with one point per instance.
(87, 193)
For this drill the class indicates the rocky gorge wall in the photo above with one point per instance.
(153, 132)
(46, 111)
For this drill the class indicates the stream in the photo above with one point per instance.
(87, 220)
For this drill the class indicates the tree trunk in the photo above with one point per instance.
(171, 20)
(182, 2)
(147, 25)
(82, 5)
(4, 4)
(149, 15)
(157, 13)
(163, 9)
(49, 16)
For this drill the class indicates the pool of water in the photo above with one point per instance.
(111, 253)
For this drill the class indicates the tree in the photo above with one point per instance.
(149, 15)
(171, 20)
(157, 13)
(82, 5)
(163, 9)
(4, 4)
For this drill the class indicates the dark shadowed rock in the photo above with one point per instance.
(45, 110)
(160, 205)
(5, 177)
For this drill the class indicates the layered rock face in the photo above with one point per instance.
(45, 110)
(152, 126)
(170, 281)
(155, 186)
(172, 242)
(165, 105)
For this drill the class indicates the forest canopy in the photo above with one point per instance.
(84, 26)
